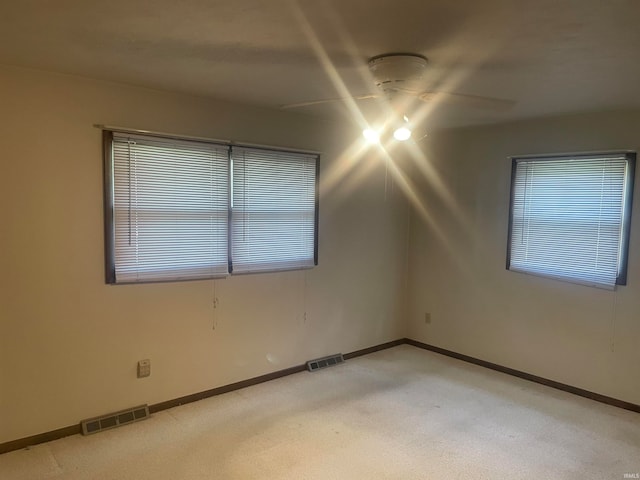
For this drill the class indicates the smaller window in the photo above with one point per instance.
(570, 215)
(167, 209)
(274, 210)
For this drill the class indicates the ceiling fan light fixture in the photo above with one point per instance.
(402, 134)
(371, 135)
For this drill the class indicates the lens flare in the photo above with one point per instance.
(371, 135)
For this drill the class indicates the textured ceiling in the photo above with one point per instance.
(550, 56)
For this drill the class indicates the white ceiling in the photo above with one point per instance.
(550, 56)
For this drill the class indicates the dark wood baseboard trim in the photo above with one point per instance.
(73, 429)
(194, 397)
(39, 438)
(262, 378)
(375, 348)
(528, 376)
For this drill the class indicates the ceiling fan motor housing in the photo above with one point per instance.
(398, 72)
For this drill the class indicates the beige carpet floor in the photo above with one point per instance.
(402, 413)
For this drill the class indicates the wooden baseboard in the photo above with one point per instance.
(73, 429)
(527, 376)
(376, 348)
(194, 397)
(39, 438)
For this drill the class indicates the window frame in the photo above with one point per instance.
(232, 269)
(627, 204)
(109, 202)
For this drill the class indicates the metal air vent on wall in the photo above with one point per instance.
(324, 362)
(113, 420)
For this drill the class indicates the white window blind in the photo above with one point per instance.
(570, 217)
(170, 209)
(274, 206)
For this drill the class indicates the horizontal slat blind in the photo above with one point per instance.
(273, 224)
(568, 217)
(170, 201)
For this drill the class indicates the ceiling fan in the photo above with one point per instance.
(401, 75)
(399, 78)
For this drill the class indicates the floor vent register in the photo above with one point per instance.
(324, 362)
(113, 420)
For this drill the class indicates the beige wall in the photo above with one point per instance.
(582, 336)
(69, 343)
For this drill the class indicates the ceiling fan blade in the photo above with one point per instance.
(488, 103)
(330, 100)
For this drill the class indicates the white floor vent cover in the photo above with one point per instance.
(324, 362)
(113, 420)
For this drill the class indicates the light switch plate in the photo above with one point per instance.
(144, 368)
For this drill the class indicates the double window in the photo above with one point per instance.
(570, 215)
(180, 209)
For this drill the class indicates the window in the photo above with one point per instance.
(179, 209)
(273, 214)
(570, 215)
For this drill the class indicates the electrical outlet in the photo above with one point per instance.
(144, 368)
(427, 318)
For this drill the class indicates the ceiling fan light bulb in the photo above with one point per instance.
(401, 134)
(371, 135)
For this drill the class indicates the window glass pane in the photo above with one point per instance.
(569, 217)
(170, 209)
(273, 224)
